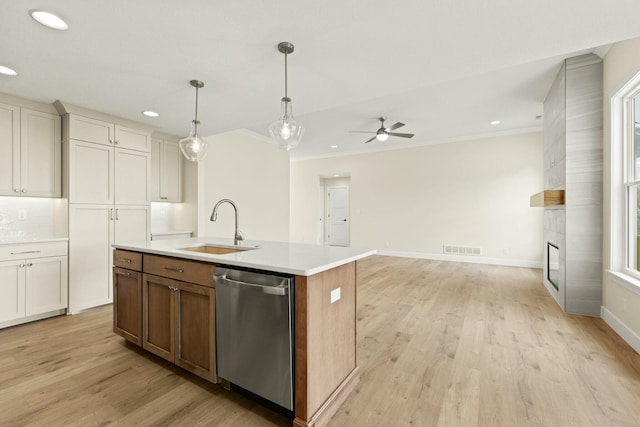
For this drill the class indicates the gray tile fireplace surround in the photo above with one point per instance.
(573, 162)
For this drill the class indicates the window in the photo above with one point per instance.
(625, 181)
(632, 180)
(624, 203)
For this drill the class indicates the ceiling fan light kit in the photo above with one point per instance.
(193, 147)
(383, 133)
(286, 131)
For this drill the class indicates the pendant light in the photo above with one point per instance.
(193, 147)
(286, 131)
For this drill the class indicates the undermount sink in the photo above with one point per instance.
(215, 249)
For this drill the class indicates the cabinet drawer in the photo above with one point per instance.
(33, 250)
(127, 259)
(180, 269)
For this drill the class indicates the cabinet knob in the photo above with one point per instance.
(111, 141)
(29, 264)
(21, 265)
(24, 190)
(16, 190)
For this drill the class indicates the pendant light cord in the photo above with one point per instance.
(195, 122)
(286, 95)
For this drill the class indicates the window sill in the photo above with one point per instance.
(629, 282)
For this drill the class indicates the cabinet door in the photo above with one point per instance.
(196, 329)
(40, 154)
(132, 176)
(12, 290)
(90, 238)
(158, 324)
(127, 304)
(172, 172)
(131, 224)
(133, 139)
(90, 173)
(9, 150)
(46, 285)
(91, 130)
(156, 174)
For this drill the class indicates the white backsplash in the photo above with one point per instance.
(32, 218)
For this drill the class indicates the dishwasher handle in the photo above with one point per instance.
(281, 289)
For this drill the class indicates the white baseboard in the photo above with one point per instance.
(627, 334)
(463, 258)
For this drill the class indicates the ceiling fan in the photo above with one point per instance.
(383, 133)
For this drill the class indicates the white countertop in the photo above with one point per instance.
(293, 258)
(170, 233)
(19, 241)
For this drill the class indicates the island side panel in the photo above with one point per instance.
(325, 342)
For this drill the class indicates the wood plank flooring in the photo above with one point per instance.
(439, 344)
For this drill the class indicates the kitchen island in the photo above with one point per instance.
(164, 301)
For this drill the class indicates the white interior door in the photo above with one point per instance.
(338, 216)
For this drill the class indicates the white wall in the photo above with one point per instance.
(32, 218)
(468, 193)
(620, 300)
(252, 173)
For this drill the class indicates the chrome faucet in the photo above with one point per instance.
(237, 236)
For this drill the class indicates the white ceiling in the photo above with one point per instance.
(445, 68)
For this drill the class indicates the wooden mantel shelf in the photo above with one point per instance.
(547, 198)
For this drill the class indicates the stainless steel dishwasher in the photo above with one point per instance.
(254, 332)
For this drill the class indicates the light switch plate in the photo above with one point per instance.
(335, 295)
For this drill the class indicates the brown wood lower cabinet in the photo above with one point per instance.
(179, 323)
(127, 304)
(127, 295)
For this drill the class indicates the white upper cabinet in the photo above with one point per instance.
(108, 163)
(10, 149)
(100, 132)
(166, 171)
(91, 130)
(30, 148)
(40, 154)
(132, 139)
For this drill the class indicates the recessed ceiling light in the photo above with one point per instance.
(495, 122)
(149, 113)
(48, 19)
(336, 175)
(7, 71)
(334, 146)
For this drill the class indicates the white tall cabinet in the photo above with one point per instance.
(31, 161)
(108, 175)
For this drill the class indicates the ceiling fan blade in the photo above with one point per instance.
(360, 131)
(369, 140)
(395, 126)
(401, 135)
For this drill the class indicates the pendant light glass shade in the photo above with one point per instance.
(193, 147)
(286, 131)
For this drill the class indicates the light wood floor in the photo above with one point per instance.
(439, 344)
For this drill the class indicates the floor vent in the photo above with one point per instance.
(461, 250)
